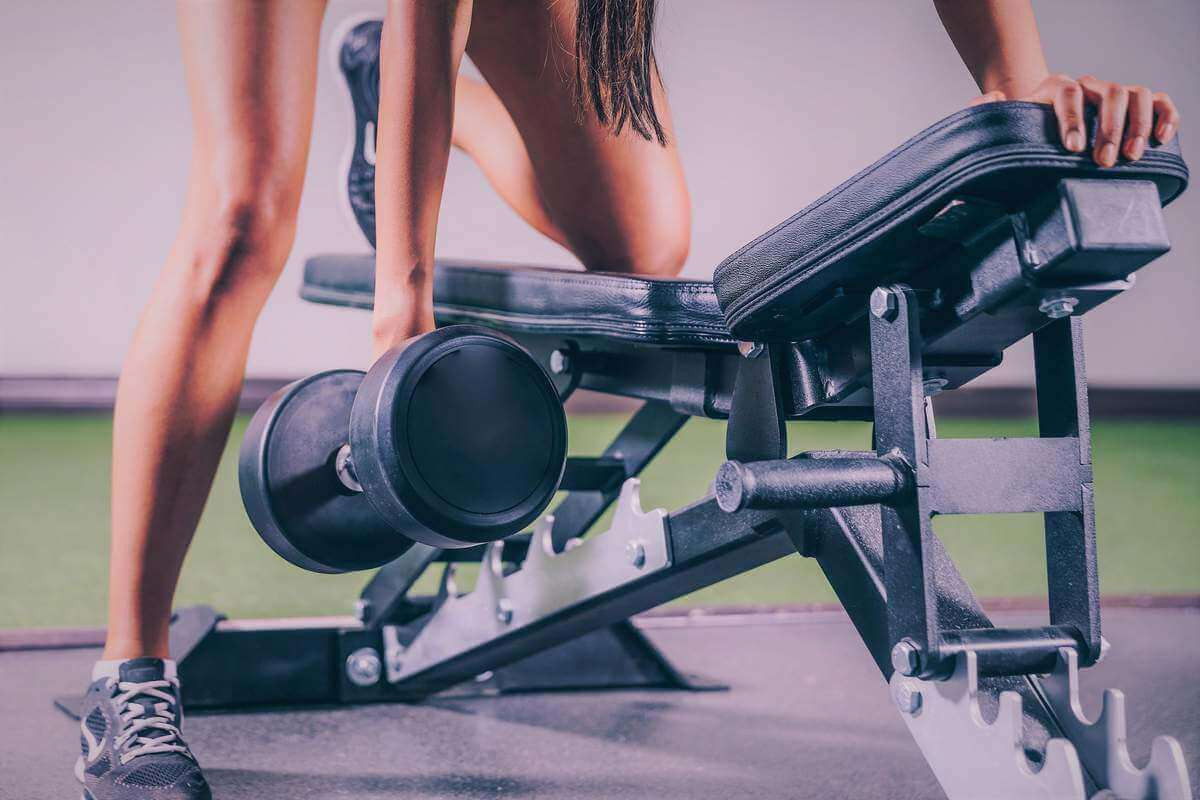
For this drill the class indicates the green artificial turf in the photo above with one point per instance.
(54, 474)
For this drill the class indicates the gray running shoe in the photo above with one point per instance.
(129, 736)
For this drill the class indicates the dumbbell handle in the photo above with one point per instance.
(810, 482)
(343, 465)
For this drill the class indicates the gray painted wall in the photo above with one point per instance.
(775, 103)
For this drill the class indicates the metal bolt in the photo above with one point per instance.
(504, 610)
(1058, 307)
(363, 667)
(362, 606)
(906, 657)
(635, 551)
(906, 696)
(934, 386)
(884, 304)
(560, 361)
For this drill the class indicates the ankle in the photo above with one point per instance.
(121, 649)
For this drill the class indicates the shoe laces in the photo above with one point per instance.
(149, 724)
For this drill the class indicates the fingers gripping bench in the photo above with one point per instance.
(909, 279)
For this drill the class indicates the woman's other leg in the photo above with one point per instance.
(484, 131)
(620, 202)
(251, 73)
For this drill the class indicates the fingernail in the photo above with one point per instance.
(1108, 154)
(1137, 148)
(1074, 141)
(1166, 132)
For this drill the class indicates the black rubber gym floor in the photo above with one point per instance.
(807, 717)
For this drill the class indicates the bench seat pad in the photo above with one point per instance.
(520, 299)
(865, 232)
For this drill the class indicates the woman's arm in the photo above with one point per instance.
(421, 50)
(998, 41)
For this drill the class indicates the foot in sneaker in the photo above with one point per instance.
(357, 57)
(131, 745)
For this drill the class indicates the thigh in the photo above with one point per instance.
(620, 201)
(251, 72)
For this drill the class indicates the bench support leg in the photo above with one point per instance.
(949, 668)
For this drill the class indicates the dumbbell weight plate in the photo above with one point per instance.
(459, 438)
(290, 487)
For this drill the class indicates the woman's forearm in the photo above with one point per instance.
(998, 41)
(421, 51)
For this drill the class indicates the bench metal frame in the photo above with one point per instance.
(551, 608)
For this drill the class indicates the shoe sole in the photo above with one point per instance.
(340, 32)
(84, 794)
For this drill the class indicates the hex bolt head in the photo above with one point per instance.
(363, 667)
(504, 611)
(1058, 307)
(906, 696)
(884, 304)
(906, 657)
(635, 552)
(560, 361)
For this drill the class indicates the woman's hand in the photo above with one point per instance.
(391, 330)
(1129, 115)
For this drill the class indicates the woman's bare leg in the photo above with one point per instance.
(251, 73)
(484, 131)
(618, 202)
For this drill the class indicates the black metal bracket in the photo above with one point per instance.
(1051, 474)
(757, 428)
(239, 664)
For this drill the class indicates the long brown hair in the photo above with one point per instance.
(614, 64)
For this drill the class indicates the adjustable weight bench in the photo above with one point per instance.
(909, 279)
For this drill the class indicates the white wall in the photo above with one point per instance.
(775, 103)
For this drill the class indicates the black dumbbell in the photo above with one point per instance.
(455, 440)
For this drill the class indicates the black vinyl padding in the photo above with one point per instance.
(864, 232)
(658, 311)
(797, 279)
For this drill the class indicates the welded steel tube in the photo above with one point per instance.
(809, 482)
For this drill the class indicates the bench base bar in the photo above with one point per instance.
(286, 662)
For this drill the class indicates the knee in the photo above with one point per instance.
(665, 255)
(658, 250)
(238, 242)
